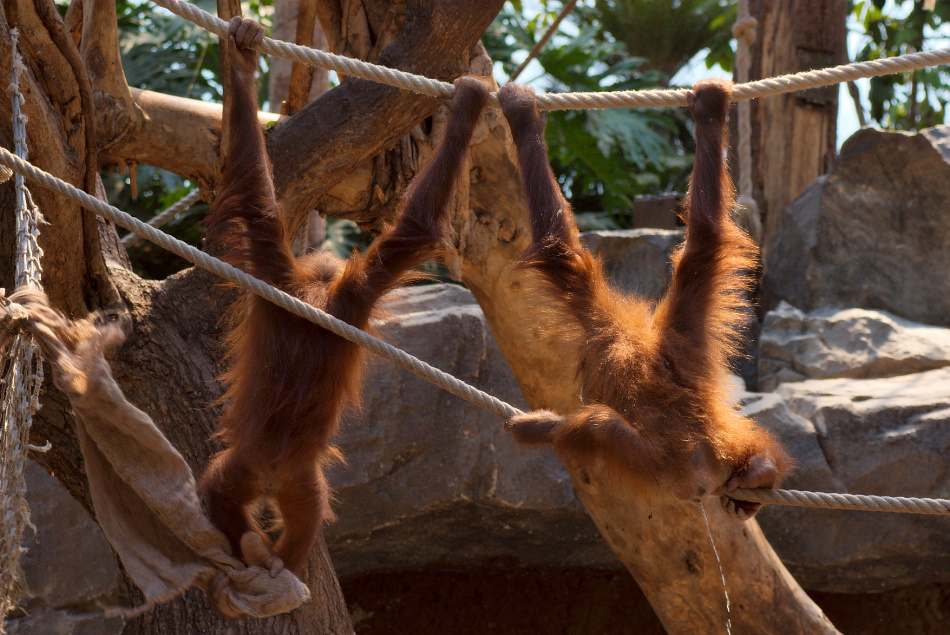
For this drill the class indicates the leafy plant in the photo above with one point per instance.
(906, 101)
(669, 34)
(165, 53)
(602, 158)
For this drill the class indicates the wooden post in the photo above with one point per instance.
(793, 135)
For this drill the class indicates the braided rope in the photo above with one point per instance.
(862, 502)
(163, 217)
(22, 369)
(416, 366)
(315, 57)
(570, 101)
(269, 293)
(744, 30)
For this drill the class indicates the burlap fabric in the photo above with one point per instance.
(144, 495)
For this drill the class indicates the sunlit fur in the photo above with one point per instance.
(288, 379)
(653, 380)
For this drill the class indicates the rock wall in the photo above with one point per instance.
(873, 233)
(432, 483)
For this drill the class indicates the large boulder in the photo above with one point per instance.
(872, 233)
(636, 260)
(69, 570)
(887, 436)
(431, 479)
(858, 343)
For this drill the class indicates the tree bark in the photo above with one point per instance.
(172, 349)
(794, 136)
(169, 362)
(663, 542)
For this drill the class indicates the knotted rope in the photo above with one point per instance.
(22, 374)
(569, 101)
(748, 217)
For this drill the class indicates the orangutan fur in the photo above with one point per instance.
(288, 378)
(653, 379)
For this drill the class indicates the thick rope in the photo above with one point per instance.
(269, 293)
(570, 101)
(568, 7)
(861, 502)
(416, 366)
(22, 370)
(163, 217)
(744, 30)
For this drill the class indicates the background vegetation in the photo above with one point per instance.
(603, 159)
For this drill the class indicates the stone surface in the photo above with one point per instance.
(888, 436)
(432, 482)
(430, 479)
(858, 343)
(636, 260)
(872, 233)
(69, 569)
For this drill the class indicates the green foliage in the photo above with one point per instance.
(157, 190)
(669, 34)
(602, 158)
(906, 101)
(164, 53)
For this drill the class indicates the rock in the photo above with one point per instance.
(62, 622)
(69, 568)
(636, 260)
(887, 436)
(661, 211)
(430, 479)
(856, 343)
(432, 482)
(872, 233)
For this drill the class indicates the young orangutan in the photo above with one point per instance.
(653, 381)
(288, 379)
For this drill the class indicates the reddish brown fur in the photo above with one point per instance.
(288, 378)
(652, 380)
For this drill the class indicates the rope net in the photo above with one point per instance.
(22, 368)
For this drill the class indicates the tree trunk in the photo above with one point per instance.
(794, 136)
(169, 362)
(172, 349)
(664, 543)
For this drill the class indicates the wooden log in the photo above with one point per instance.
(794, 136)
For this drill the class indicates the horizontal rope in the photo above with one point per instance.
(569, 101)
(412, 364)
(860, 502)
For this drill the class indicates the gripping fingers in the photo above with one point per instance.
(256, 553)
(246, 33)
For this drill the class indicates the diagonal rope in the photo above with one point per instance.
(412, 364)
(163, 217)
(22, 369)
(272, 294)
(570, 101)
